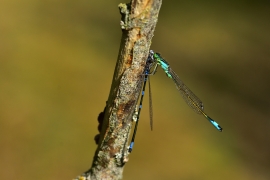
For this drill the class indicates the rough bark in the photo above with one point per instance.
(139, 18)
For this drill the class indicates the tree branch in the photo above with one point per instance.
(139, 18)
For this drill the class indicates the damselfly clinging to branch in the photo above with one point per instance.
(155, 60)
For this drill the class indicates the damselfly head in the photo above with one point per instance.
(150, 58)
(151, 52)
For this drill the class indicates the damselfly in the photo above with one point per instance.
(155, 59)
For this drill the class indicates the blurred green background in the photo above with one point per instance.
(56, 65)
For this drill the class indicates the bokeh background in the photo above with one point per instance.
(56, 65)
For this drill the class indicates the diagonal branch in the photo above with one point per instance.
(139, 18)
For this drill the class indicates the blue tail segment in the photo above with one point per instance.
(215, 124)
(131, 146)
